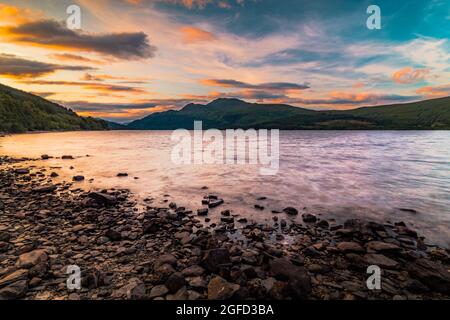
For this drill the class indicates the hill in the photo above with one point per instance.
(21, 111)
(233, 113)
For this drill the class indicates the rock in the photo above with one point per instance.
(78, 178)
(307, 217)
(215, 259)
(299, 281)
(113, 235)
(122, 174)
(67, 157)
(202, 212)
(193, 271)
(4, 246)
(165, 259)
(150, 227)
(158, 291)
(74, 297)
(383, 247)
(432, 274)
(135, 290)
(323, 224)
(380, 260)
(198, 283)
(45, 189)
(242, 220)
(175, 282)
(227, 219)
(22, 171)
(258, 207)
(347, 247)
(14, 291)
(103, 198)
(45, 157)
(290, 211)
(19, 275)
(54, 175)
(220, 289)
(215, 203)
(31, 259)
(5, 236)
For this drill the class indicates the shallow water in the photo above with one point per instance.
(336, 174)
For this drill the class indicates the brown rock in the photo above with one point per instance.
(31, 259)
(220, 289)
(350, 247)
(432, 274)
(381, 261)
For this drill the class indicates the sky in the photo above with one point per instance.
(132, 58)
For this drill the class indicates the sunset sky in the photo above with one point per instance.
(136, 57)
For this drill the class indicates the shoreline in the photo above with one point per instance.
(166, 252)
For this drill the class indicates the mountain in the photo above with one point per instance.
(233, 113)
(21, 111)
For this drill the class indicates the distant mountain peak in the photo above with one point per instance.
(226, 101)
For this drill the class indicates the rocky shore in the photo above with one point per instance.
(127, 250)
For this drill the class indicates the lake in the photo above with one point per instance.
(334, 174)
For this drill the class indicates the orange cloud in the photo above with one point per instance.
(409, 75)
(193, 34)
(73, 57)
(434, 92)
(98, 87)
(359, 85)
(15, 15)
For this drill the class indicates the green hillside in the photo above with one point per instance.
(21, 111)
(234, 113)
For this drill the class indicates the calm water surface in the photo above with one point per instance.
(336, 174)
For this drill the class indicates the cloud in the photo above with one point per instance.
(15, 15)
(105, 77)
(190, 4)
(16, 67)
(353, 99)
(263, 86)
(73, 57)
(99, 87)
(52, 34)
(409, 75)
(193, 34)
(429, 52)
(434, 91)
(126, 112)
